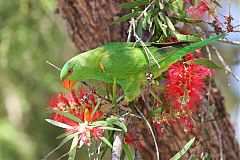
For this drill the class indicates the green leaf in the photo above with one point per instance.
(140, 28)
(188, 49)
(218, 4)
(183, 150)
(68, 115)
(110, 128)
(127, 17)
(175, 9)
(99, 123)
(73, 149)
(128, 151)
(186, 20)
(155, 96)
(105, 140)
(59, 124)
(144, 23)
(117, 122)
(130, 5)
(110, 139)
(95, 108)
(66, 139)
(160, 24)
(158, 110)
(186, 38)
(204, 62)
(167, 21)
(62, 135)
(160, 5)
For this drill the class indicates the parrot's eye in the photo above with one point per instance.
(70, 71)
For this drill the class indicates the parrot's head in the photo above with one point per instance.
(68, 74)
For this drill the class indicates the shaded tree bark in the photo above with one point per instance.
(89, 24)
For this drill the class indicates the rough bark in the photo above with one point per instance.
(89, 24)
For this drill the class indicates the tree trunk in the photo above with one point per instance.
(90, 24)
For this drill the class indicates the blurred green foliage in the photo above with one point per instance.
(30, 34)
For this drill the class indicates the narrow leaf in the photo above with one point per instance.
(130, 5)
(175, 9)
(186, 38)
(110, 128)
(163, 28)
(188, 49)
(128, 152)
(127, 17)
(204, 62)
(62, 135)
(186, 20)
(75, 119)
(99, 123)
(59, 124)
(160, 5)
(167, 21)
(66, 139)
(158, 110)
(117, 122)
(155, 96)
(95, 108)
(183, 150)
(105, 140)
(73, 149)
(217, 3)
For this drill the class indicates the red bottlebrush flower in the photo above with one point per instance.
(159, 128)
(97, 132)
(203, 10)
(73, 105)
(81, 108)
(184, 85)
(85, 130)
(74, 98)
(133, 139)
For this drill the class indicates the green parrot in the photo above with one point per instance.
(127, 63)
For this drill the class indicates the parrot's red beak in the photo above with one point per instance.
(67, 84)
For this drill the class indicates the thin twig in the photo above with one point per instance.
(99, 151)
(129, 32)
(50, 153)
(210, 79)
(138, 39)
(132, 28)
(230, 42)
(53, 65)
(90, 87)
(151, 130)
(64, 155)
(227, 68)
(140, 16)
(238, 25)
(219, 135)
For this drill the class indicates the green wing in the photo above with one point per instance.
(122, 61)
